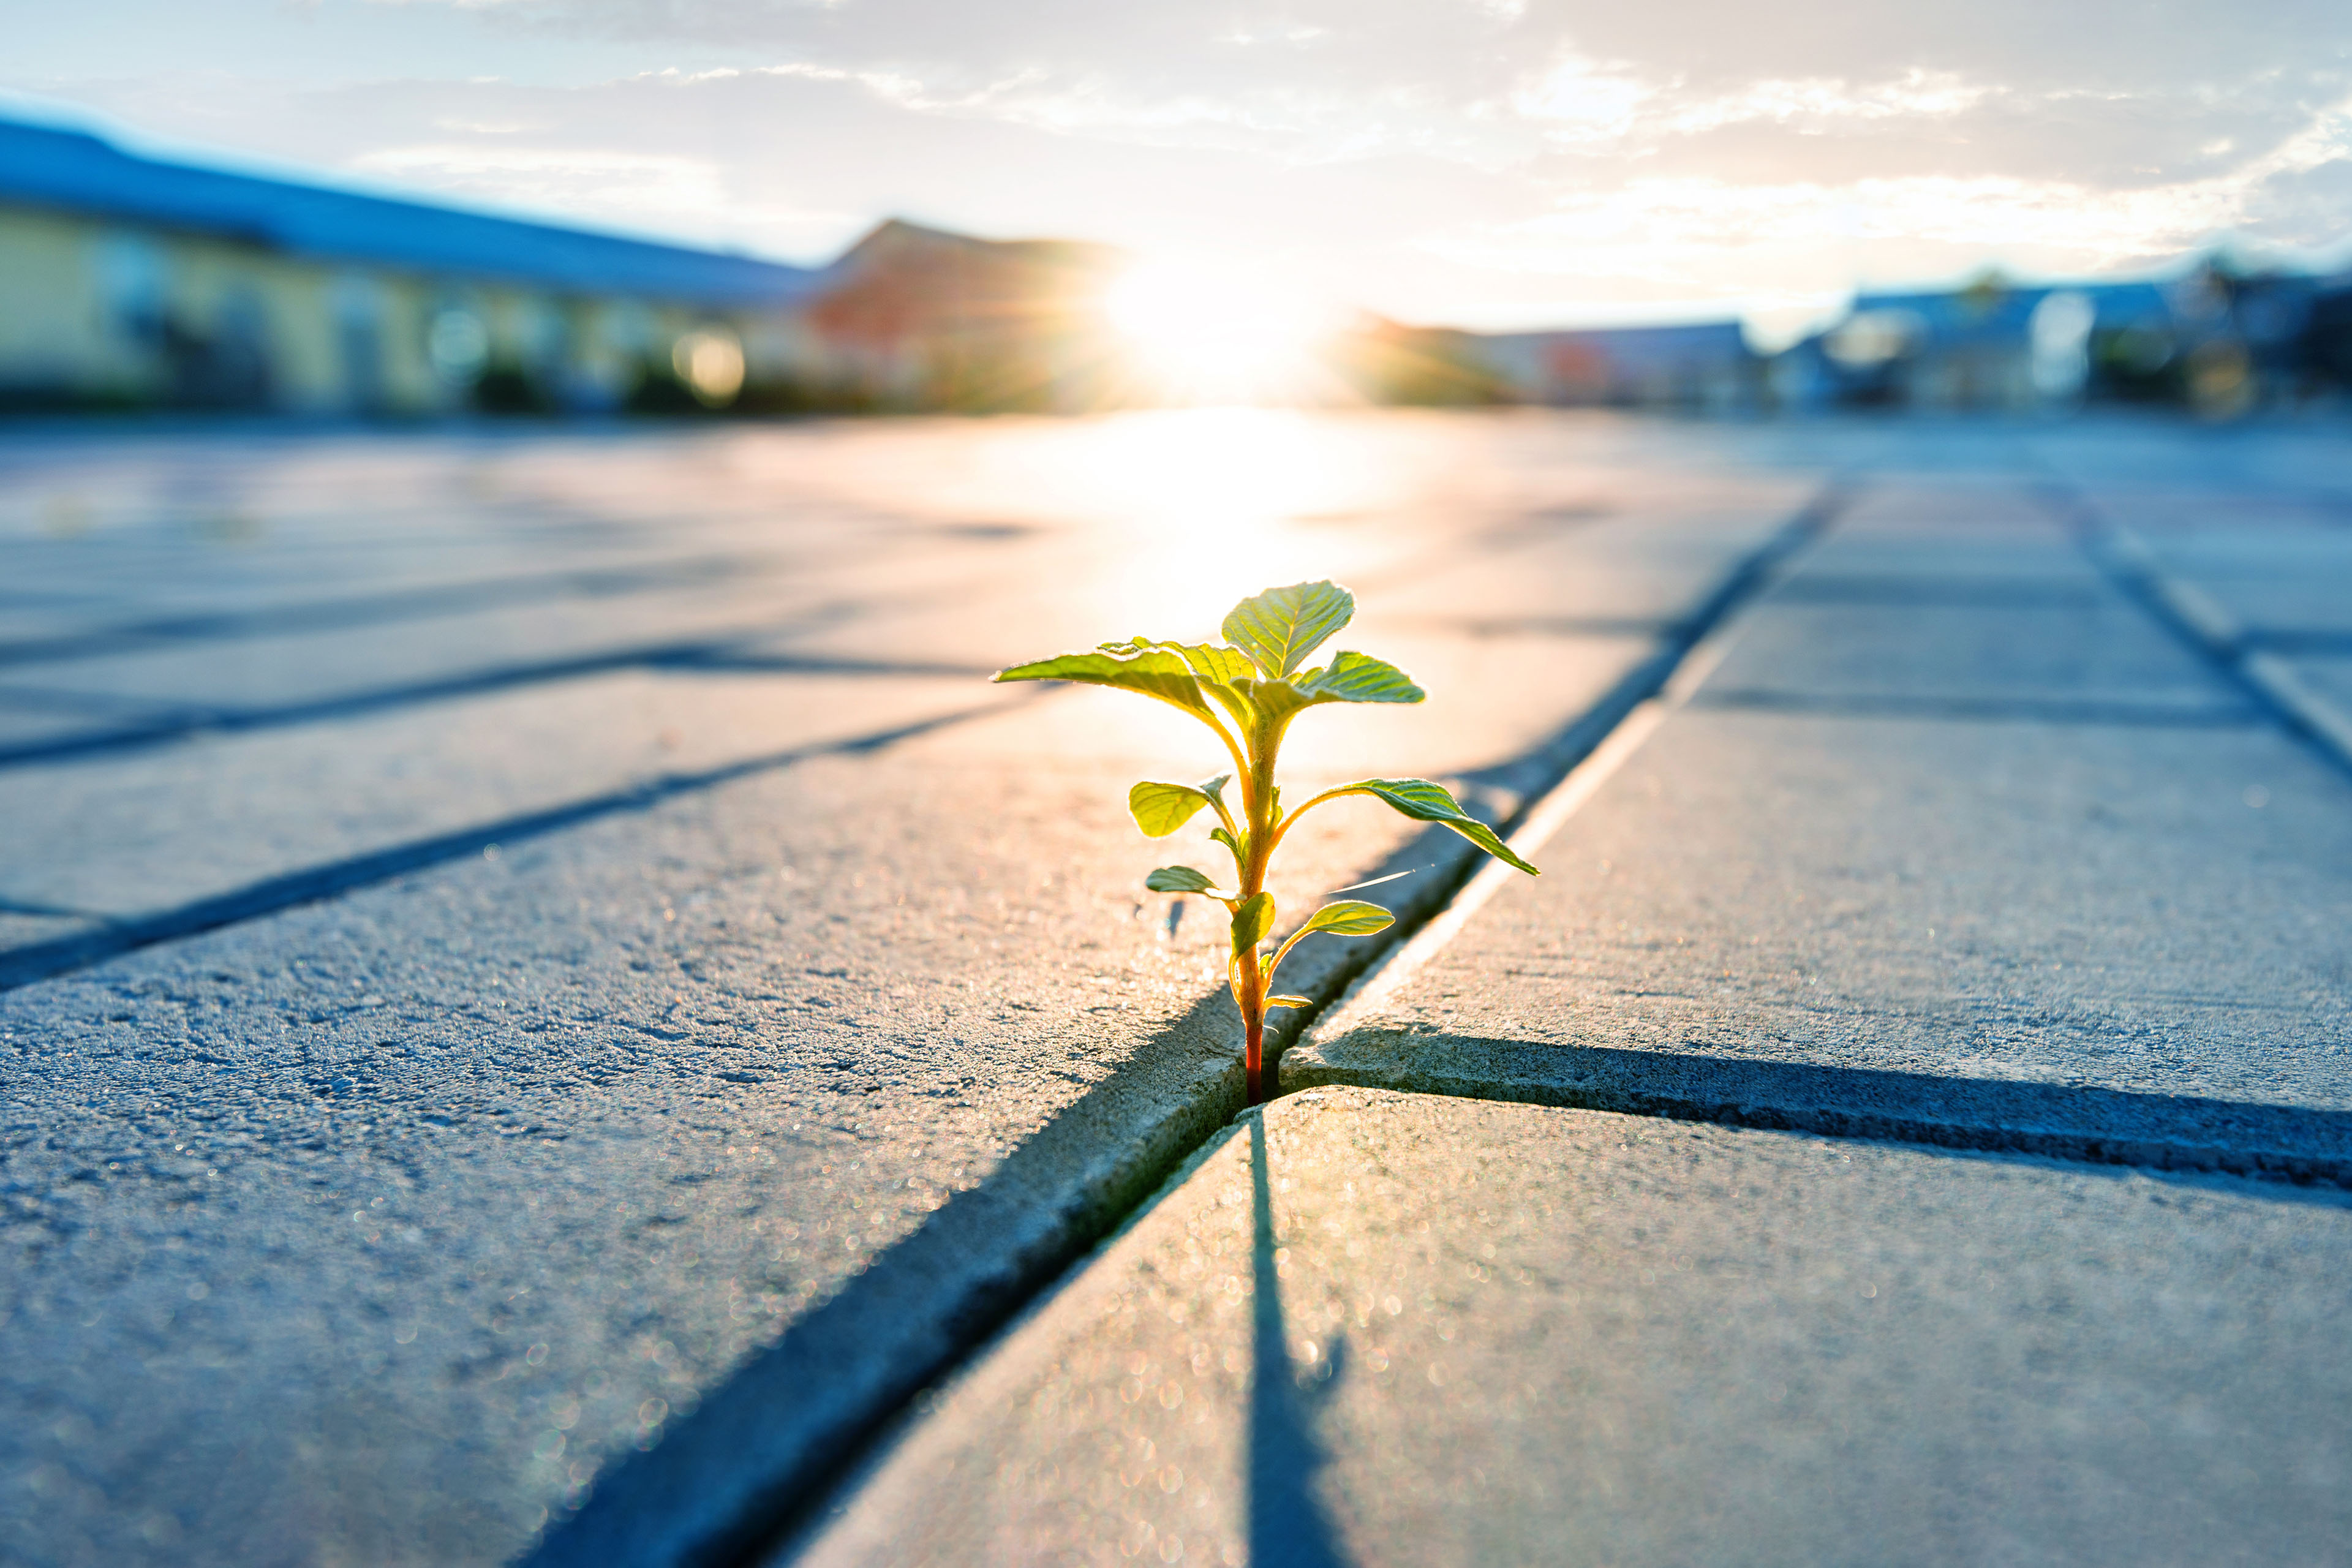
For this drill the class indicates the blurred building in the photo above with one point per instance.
(2220, 339)
(130, 282)
(1704, 365)
(919, 318)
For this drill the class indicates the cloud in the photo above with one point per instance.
(1434, 158)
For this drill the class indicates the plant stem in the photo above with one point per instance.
(1254, 1062)
(1258, 805)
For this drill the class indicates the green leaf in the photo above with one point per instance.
(1209, 661)
(1289, 1002)
(1179, 880)
(1159, 809)
(1154, 672)
(1359, 678)
(1253, 918)
(1281, 626)
(1426, 801)
(1349, 917)
(1230, 842)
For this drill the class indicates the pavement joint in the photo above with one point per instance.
(722, 655)
(2082, 1124)
(40, 961)
(2195, 617)
(338, 614)
(2018, 708)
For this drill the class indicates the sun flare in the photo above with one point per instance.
(1208, 333)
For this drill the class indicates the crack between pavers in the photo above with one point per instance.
(708, 1497)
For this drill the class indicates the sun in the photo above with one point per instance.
(1207, 333)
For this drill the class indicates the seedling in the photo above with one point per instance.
(1247, 690)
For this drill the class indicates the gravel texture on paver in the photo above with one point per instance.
(1367, 1327)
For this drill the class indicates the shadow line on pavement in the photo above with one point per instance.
(2087, 1125)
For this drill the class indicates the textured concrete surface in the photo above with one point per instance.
(2259, 572)
(1383, 1329)
(115, 836)
(638, 1139)
(2081, 939)
(1931, 855)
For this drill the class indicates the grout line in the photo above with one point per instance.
(419, 603)
(2128, 560)
(35, 961)
(2324, 720)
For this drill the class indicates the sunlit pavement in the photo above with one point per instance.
(548, 997)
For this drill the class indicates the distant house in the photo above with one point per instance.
(130, 281)
(1697, 365)
(916, 317)
(2220, 340)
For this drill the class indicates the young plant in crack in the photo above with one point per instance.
(1247, 690)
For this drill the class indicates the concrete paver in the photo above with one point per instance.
(2078, 938)
(1383, 1329)
(131, 835)
(2016, 874)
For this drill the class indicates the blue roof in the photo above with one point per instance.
(78, 173)
(2004, 312)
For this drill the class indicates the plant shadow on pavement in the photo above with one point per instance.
(1288, 1525)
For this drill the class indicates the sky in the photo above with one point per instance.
(1491, 163)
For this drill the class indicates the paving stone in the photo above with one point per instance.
(131, 835)
(2277, 583)
(654, 1095)
(2080, 938)
(1652, 567)
(1371, 1329)
(2021, 565)
(1891, 644)
(2330, 680)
